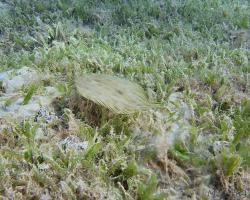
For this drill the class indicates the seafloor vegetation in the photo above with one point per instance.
(191, 57)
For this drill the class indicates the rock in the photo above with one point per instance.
(14, 80)
(17, 110)
(11, 99)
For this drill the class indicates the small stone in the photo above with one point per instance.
(218, 146)
(73, 142)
